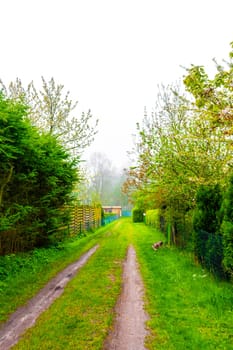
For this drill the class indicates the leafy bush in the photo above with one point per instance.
(153, 218)
(227, 229)
(138, 215)
(214, 254)
(13, 264)
(208, 245)
(207, 216)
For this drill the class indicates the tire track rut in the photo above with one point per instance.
(26, 316)
(129, 329)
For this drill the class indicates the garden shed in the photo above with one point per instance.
(114, 209)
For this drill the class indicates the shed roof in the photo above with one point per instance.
(111, 206)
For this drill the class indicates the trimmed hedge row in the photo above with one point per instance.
(153, 218)
(138, 215)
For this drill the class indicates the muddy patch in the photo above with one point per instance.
(26, 316)
(129, 328)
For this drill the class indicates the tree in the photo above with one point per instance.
(183, 158)
(36, 181)
(213, 97)
(51, 109)
(176, 154)
(13, 135)
(101, 169)
(162, 176)
(104, 182)
(213, 105)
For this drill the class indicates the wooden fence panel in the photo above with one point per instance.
(84, 218)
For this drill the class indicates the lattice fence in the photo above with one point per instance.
(84, 218)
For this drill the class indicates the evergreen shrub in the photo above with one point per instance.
(138, 215)
(227, 229)
(36, 180)
(207, 241)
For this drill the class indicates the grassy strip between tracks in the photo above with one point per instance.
(189, 309)
(82, 316)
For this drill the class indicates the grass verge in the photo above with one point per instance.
(23, 275)
(189, 309)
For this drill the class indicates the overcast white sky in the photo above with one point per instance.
(111, 55)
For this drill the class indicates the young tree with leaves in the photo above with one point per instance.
(51, 111)
(176, 154)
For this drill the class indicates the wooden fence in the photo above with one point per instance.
(84, 218)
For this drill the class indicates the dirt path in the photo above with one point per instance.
(26, 316)
(129, 330)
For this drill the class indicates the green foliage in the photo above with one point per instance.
(176, 155)
(81, 317)
(50, 110)
(188, 308)
(23, 274)
(213, 98)
(227, 231)
(11, 265)
(153, 218)
(183, 152)
(36, 181)
(185, 142)
(214, 254)
(176, 292)
(207, 214)
(227, 228)
(102, 216)
(138, 215)
(208, 246)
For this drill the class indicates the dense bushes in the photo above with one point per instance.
(208, 229)
(207, 213)
(176, 225)
(138, 215)
(227, 229)
(207, 238)
(153, 218)
(183, 158)
(36, 180)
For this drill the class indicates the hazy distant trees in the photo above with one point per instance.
(104, 181)
(101, 173)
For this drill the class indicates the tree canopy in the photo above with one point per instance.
(184, 148)
(51, 110)
(37, 177)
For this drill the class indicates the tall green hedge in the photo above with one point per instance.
(36, 180)
(138, 215)
(153, 218)
(227, 229)
(207, 240)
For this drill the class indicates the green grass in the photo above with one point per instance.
(23, 275)
(81, 317)
(188, 308)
